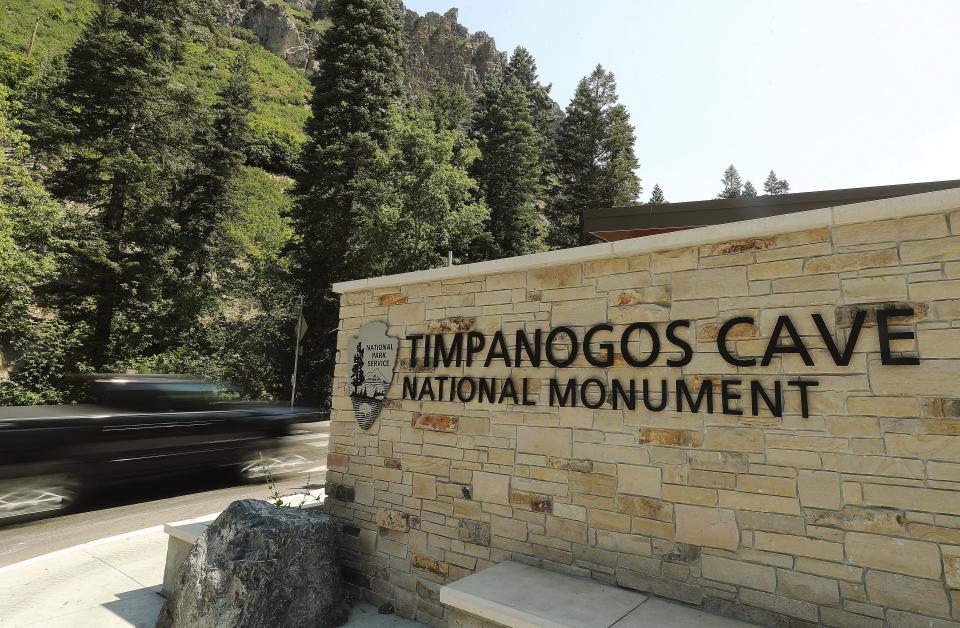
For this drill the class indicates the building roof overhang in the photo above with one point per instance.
(630, 221)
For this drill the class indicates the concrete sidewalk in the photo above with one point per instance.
(115, 583)
(111, 583)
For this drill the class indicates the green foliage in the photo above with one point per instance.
(509, 169)
(774, 185)
(732, 184)
(61, 22)
(357, 84)
(657, 197)
(418, 201)
(748, 190)
(198, 185)
(126, 141)
(595, 157)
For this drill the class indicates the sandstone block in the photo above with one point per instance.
(711, 527)
(424, 486)
(491, 487)
(393, 520)
(733, 439)
(583, 312)
(710, 282)
(742, 246)
(407, 314)
(903, 556)
(555, 277)
(780, 604)
(670, 438)
(338, 462)
(739, 573)
(907, 593)
(874, 288)
(798, 546)
(425, 563)
(474, 532)
(677, 259)
(435, 422)
(638, 480)
(806, 587)
(645, 507)
(913, 228)
(930, 250)
(547, 441)
(632, 544)
(759, 503)
(819, 489)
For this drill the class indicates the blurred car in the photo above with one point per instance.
(140, 426)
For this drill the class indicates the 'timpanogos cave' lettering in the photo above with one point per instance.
(640, 346)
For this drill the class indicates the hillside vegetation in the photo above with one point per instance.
(171, 186)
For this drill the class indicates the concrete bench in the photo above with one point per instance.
(183, 535)
(520, 596)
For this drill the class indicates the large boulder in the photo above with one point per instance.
(260, 565)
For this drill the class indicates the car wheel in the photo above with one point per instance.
(36, 496)
(260, 465)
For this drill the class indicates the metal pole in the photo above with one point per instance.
(449, 258)
(296, 354)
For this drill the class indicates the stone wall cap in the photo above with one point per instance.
(515, 594)
(868, 211)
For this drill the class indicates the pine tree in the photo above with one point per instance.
(222, 144)
(356, 376)
(656, 197)
(126, 126)
(509, 168)
(356, 87)
(546, 114)
(732, 184)
(748, 190)
(595, 158)
(773, 185)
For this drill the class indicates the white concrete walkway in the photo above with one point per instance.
(112, 583)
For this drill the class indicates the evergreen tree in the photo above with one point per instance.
(595, 158)
(546, 114)
(223, 144)
(126, 139)
(656, 197)
(773, 185)
(357, 84)
(732, 184)
(509, 168)
(748, 190)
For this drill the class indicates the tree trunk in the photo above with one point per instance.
(113, 221)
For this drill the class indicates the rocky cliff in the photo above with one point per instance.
(439, 48)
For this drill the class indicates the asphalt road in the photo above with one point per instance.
(134, 507)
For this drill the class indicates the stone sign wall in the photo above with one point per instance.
(835, 502)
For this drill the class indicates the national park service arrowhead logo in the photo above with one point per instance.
(374, 357)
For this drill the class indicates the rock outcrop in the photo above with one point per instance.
(439, 48)
(260, 565)
(289, 35)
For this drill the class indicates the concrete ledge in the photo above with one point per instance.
(521, 596)
(869, 211)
